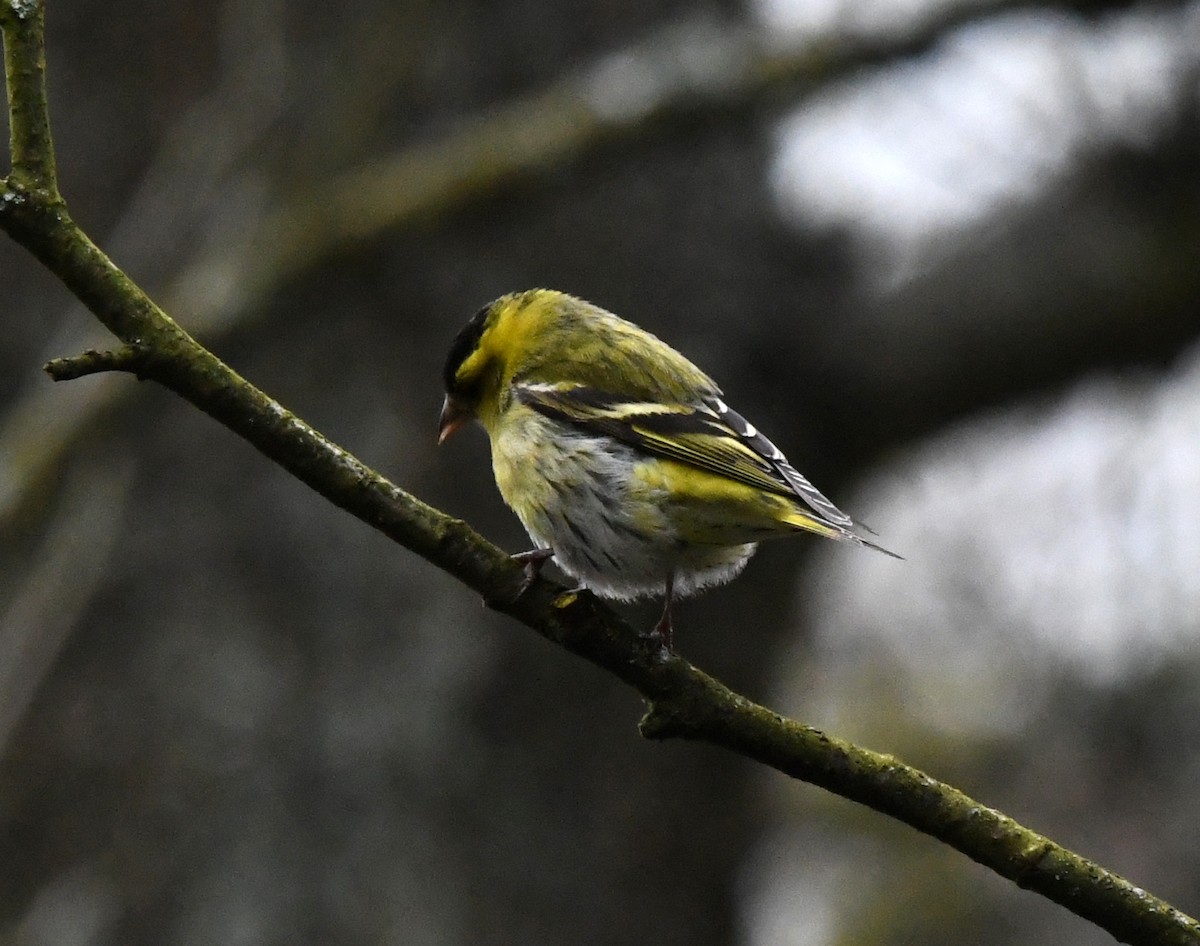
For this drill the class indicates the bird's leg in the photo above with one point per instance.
(663, 627)
(533, 560)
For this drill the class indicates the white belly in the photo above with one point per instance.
(607, 530)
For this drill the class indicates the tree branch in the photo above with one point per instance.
(30, 146)
(683, 701)
(128, 358)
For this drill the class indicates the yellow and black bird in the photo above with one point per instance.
(619, 455)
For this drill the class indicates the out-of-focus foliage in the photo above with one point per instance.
(961, 268)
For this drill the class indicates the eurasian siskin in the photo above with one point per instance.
(619, 455)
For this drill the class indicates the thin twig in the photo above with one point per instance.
(128, 358)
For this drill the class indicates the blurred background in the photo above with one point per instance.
(946, 254)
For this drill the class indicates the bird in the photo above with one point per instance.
(620, 457)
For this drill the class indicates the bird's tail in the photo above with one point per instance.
(866, 543)
(807, 523)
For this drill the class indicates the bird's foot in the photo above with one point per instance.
(664, 630)
(533, 560)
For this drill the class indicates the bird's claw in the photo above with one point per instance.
(664, 631)
(533, 560)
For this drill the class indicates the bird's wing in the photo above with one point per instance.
(708, 435)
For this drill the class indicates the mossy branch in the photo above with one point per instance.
(683, 701)
(30, 146)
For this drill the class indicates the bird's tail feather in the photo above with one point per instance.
(807, 523)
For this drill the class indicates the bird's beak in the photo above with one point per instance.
(454, 415)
